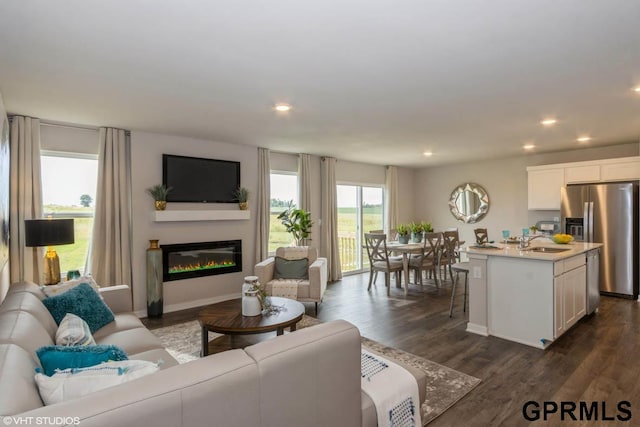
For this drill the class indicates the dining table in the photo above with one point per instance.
(405, 249)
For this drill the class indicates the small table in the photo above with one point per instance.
(226, 318)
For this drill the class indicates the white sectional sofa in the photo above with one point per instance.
(310, 377)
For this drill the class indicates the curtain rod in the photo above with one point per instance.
(67, 125)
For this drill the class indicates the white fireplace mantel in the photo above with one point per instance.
(200, 215)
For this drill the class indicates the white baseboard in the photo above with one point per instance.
(477, 329)
(191, 304)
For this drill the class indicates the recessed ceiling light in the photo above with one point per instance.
(636, 89)
(283, 108)
(528, 146)
(428, 153)
(548, 122)
(584, 139)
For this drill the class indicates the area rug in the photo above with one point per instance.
(445, 386)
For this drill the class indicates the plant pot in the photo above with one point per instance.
(403, 238)
(160, 205)
(416, 237)
(243, 206)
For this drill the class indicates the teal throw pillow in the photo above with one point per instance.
(291, 268)
(82, 301)
(54, 357)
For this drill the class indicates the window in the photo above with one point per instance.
(284, 188)
(69, 184)
(360, 210)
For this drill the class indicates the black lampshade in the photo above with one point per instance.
(48, 232)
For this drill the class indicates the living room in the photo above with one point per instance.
(192, 111)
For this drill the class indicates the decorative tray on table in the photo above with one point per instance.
(511, 241)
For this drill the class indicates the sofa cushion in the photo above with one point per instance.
(82, 301)
(30, 287)
(303, 287)
(121, 322)
(53, 357)
(291, 268)
(74, 331)
(18, 392)
(133, 341)
(23, 329)
(73, 383)
(30, 303)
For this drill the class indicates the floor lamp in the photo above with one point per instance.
(49, 232)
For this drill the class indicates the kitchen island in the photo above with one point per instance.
(532, 295)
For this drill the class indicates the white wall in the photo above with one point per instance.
(146, 159)
(505, 180)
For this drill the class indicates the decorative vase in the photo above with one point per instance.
(416, 237)
(161, 205)
(403, 238)
(243, 206)
(154, 279)
(251, 303)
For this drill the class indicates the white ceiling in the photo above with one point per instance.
(373, 81)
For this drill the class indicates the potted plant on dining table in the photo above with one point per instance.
(416, 232)
(403, 233)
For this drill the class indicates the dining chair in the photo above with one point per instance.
(450, 253)
(482, 236)
(391, 257)
(379, 260)
(428, 259)
(460, 267)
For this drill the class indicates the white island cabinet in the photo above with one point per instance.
(527, 296)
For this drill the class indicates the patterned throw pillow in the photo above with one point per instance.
(74, 331)
(72, 383)
(53, 357)
(82, 301)
(53, 290)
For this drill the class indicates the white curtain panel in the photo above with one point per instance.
(329, 234)
(391, 199)
(263, 204)
(25, 197)
(109, 259)
(304, 190)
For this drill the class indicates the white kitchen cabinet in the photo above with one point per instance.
(544, 188)
(570, 294)
(579, 174)
(621, 171)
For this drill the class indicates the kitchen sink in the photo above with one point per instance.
(548, 250)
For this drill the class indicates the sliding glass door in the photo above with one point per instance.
(360, 210)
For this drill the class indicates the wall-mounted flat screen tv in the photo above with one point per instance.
(200, 180)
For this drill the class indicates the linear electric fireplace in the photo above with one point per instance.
(187, 260)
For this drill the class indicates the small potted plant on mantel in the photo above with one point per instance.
(242, 196)
(159, 193)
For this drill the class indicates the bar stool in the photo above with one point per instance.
(460, 267)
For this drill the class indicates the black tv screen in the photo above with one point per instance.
(200, 180)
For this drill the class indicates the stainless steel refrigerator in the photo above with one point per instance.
(608, 214)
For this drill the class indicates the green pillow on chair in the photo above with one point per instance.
(291, 268)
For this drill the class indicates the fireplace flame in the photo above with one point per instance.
(200, 266)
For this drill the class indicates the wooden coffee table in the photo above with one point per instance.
(226, 318)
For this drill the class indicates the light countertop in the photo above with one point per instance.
(512, 250)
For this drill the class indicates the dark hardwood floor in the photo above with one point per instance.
(598, 360)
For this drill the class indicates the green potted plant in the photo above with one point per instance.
(297, 222)
(403, 233)
(416, 232)
(159, 193)
(242, 196)
(426, 227)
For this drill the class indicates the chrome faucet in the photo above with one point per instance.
(525, 241)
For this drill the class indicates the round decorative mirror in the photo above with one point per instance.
(469, 203)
